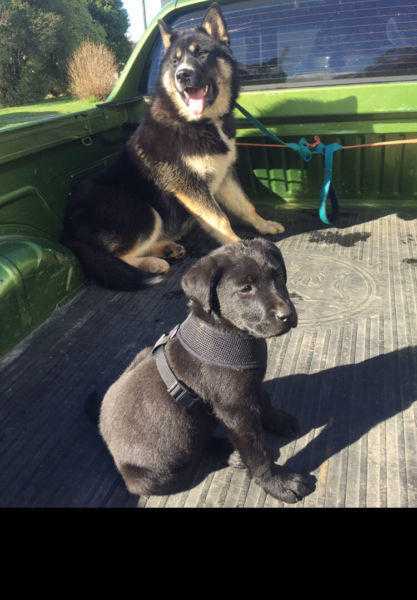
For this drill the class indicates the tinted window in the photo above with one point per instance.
(296, 42)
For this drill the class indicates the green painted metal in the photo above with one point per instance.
(36, 276)
(39, 160)
(38, 164)
(384, 177)
(46, 110)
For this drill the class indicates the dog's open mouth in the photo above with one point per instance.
(195, 99)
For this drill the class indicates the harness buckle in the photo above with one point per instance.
(164, 338)
(177, 391)
(161, 342)
(182, 395)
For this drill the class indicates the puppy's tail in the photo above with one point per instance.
(110, 271)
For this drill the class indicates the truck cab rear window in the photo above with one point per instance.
(314, 42)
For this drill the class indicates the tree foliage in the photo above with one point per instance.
(113, 17)
(27, 37)
(37, 37)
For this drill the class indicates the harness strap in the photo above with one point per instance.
(175, 388)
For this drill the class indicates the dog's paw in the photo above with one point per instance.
(151, 264)
(270, 227)
(235, 461)
(282, 424)
(154, 265)
(174, 251)
(287, 486)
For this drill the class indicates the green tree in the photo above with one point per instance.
(76, 26)
(27, 37)
(36, 39)
(113, 17)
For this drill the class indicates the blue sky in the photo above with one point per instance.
(134, 8)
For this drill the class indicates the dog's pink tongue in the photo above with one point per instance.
(196, 101)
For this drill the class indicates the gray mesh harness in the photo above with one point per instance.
(229, 349)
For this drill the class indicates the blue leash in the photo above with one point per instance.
(327, 192)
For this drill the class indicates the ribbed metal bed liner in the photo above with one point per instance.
(348, 372)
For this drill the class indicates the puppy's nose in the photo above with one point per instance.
(184, 75)
(283, 312)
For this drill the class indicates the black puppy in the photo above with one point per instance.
(238, 297)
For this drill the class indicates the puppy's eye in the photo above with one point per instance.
(246, 289)
(175, 61)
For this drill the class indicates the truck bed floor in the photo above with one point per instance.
(348, 372)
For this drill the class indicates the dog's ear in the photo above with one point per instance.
(200, 282)
(277, 259)
(166, 33)
(214, 24)
(273, 254)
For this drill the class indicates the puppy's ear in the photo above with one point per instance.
(200, 282)
(274, 255)
(278, 259)
(166, 33)
(214, 24)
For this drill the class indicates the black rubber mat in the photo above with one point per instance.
(348, 372)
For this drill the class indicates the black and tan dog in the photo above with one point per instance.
(179, 163)
(238, 297)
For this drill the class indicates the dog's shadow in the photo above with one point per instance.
(343, 403)
(338, 405)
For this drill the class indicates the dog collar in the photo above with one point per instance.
(234, 350)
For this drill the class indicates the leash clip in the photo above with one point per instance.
(316, 142)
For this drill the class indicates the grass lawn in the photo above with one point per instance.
(17, 115)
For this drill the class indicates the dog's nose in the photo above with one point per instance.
(283, 313)
(184, 75)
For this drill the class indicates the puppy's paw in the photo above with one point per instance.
(270, 227)
(281, 423)
(287, 486)
(235, 461)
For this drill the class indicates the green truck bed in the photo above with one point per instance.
(348, 371)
